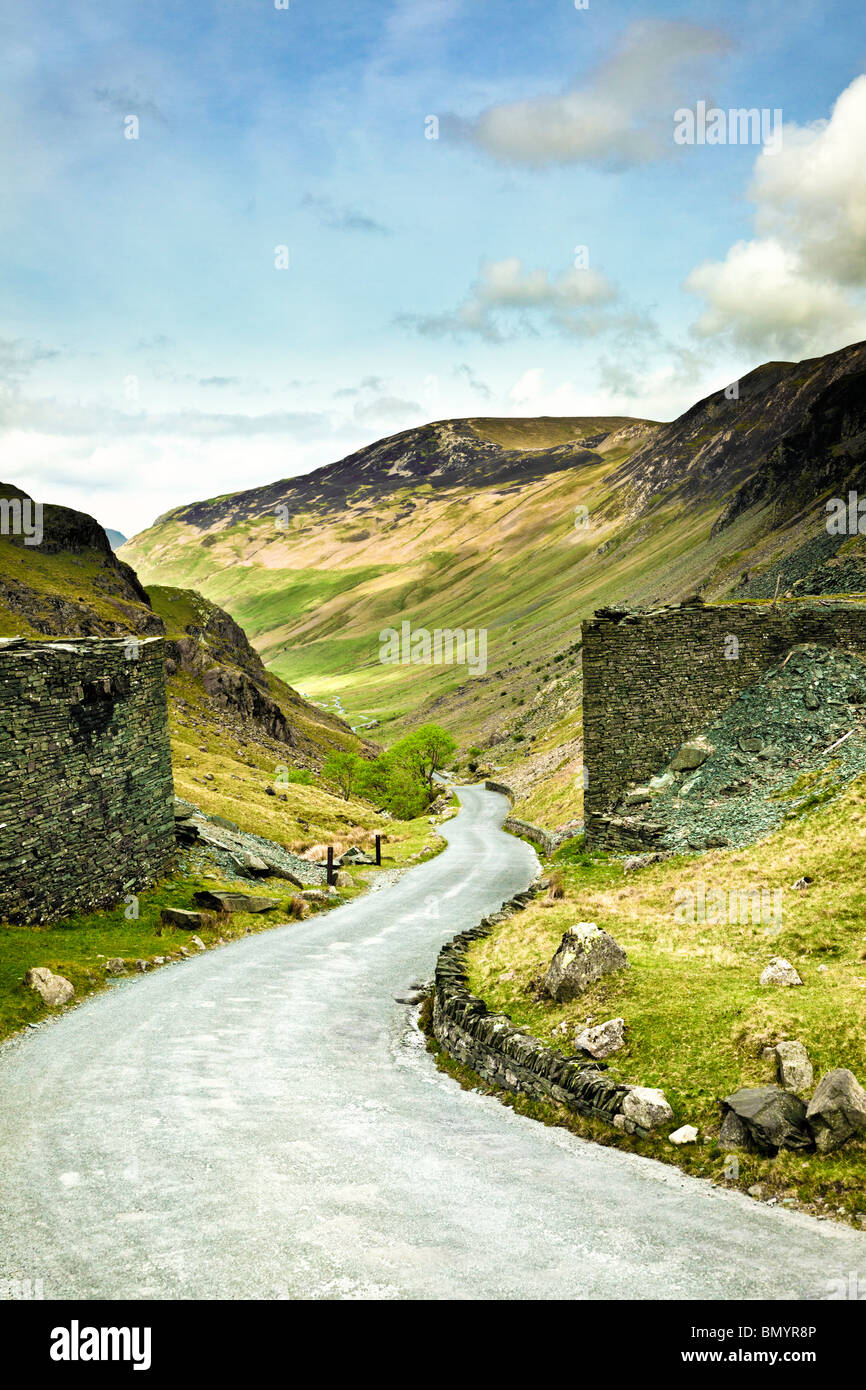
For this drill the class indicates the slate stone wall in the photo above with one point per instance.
(504, 1056)
(86, 791)
(653, 679)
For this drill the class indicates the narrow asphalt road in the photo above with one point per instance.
(263, 1122)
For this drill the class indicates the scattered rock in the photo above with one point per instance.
(801, 885)
(603, 1039)
(647, 1106)
(837, 1110)
(780, 972)
(772, 1117)
(115, 966)
(716, 841)
(344, 880)
(197, 941)
(794, 1067)
(686, 1134)
(142, 965)
(584, 955)
(234, 902)
(53, 990)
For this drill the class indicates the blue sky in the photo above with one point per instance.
(152, 353)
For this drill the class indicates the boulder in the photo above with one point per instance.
(686, 1134)
(772, 1117)
(780, 972)
(234, 902)
(344, 880)
(603, 1039)
(53, 990)
(692, 754)
(197, 941)
(179, 917)
(583, 956)
(734, 1133)
(837, 1110)
(794, 1067)
(115, 966)
(646, 1106)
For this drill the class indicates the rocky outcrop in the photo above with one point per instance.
(583, 956)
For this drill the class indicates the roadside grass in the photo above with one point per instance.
(697, 1018)
(78, 946)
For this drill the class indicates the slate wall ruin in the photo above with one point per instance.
(86, 790)
(653, 679)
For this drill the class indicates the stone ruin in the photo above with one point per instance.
(86, 790)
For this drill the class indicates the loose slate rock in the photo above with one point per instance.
(583, 956)
(180, 917)
(234, 902)
(772, 1118)
(837, 1110)
(53, 990)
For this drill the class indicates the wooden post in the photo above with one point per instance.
(330, 878)
(378, 849)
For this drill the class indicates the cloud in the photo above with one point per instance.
(797, 286)
(18, 357)
(343, 219)
(505, 291)
(619, 117)
(473, 382)
(129, 103)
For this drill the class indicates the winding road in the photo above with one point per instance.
(263, 1121)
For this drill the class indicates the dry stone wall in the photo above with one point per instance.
(507, 1057)
(86, 791)
(653, 679)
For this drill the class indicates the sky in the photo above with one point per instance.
(242, 238)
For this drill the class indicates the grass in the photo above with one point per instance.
(697, 1018)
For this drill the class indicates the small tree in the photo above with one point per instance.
(426, 751)
(343, 770)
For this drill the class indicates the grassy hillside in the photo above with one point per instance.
(698, 1020)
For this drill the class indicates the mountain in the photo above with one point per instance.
(115, 538)
(522, 528)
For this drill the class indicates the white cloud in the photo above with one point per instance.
(798, 285)
(621, 116)
(505, 290)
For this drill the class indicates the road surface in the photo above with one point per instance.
(263, 1121)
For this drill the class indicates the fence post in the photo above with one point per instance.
(330, 871)
(378, 849)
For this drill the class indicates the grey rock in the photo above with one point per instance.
(583, 956)
(837, 1110)
(794, 1067)
(774, 1118)
(602, 1040)
(780, 972)
(647, 1106)
(52, 989)
(115, 966)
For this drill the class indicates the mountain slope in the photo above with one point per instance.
(521, 528)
